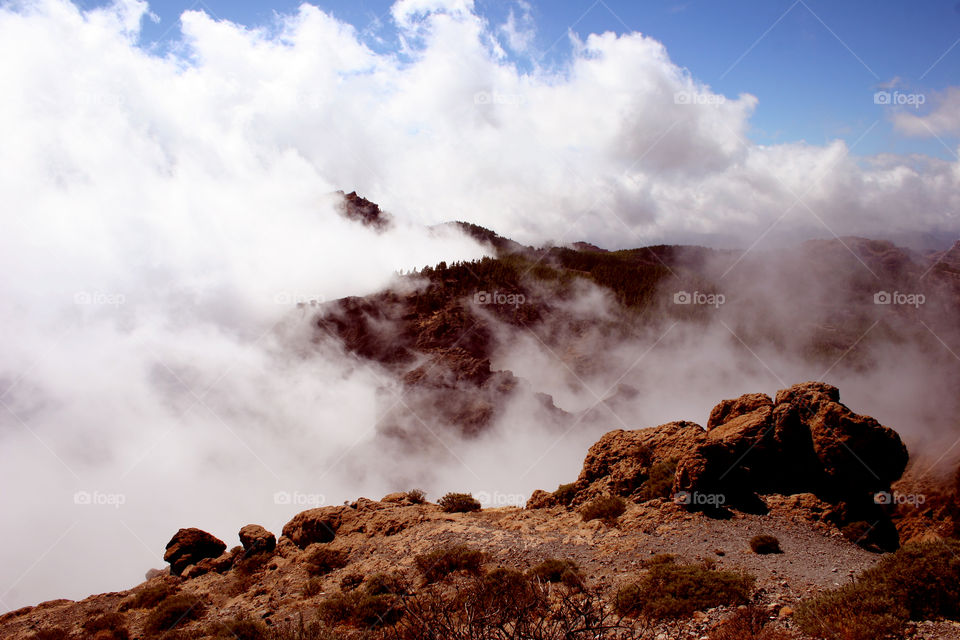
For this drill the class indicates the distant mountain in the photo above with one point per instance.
(831, 303)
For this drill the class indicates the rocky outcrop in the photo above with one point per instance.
(190, 546)
(803, 441)
(620, 463)
(256, 539)
(358, 208)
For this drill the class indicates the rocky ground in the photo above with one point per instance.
(654, 471)
(382, 537)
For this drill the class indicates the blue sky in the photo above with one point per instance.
(813, 64)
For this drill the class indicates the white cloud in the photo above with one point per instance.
(521, 31)
(942, 120)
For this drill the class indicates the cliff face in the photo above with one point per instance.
(800, 465)
(839, 306)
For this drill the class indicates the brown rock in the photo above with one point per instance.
(256, 539)
(729, 409)
(541, 499)
(153, 573)
(619, 463)
(366, 504)
(856, 452)
(220, 564)
(190, 546)
(399, 497)
(316, 525)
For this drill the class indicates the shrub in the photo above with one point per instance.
(323, 560)
(351, 581)
(376, 610)
(459, 503)
(504, 605)
(149, 597)
(337, 608)
(506, 594)
(918, 582)
(441, 562)
(565, 493)
(298, 630)
(923, 577)
(606, 508)
(359, 608)
(173, 612)
(385, 583)
(852, 612)
(748, 623)
(313, 587)
(241, 628)
(671, 590)
(659, 482)
(557, 570)
(765, 544)
(252, 564)
(660, 558)
(416, 496)
(113, 623)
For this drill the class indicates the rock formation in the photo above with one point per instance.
(803, 441)
(190, 546)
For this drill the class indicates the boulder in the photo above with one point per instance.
(802, 441)
(541, 499)
(190, 546)
(619, 463)
(256, 539)
(153, 573)
(316, 525)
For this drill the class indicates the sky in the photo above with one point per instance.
(166, 173)
(813, 65)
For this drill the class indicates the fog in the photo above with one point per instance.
(168, 227)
